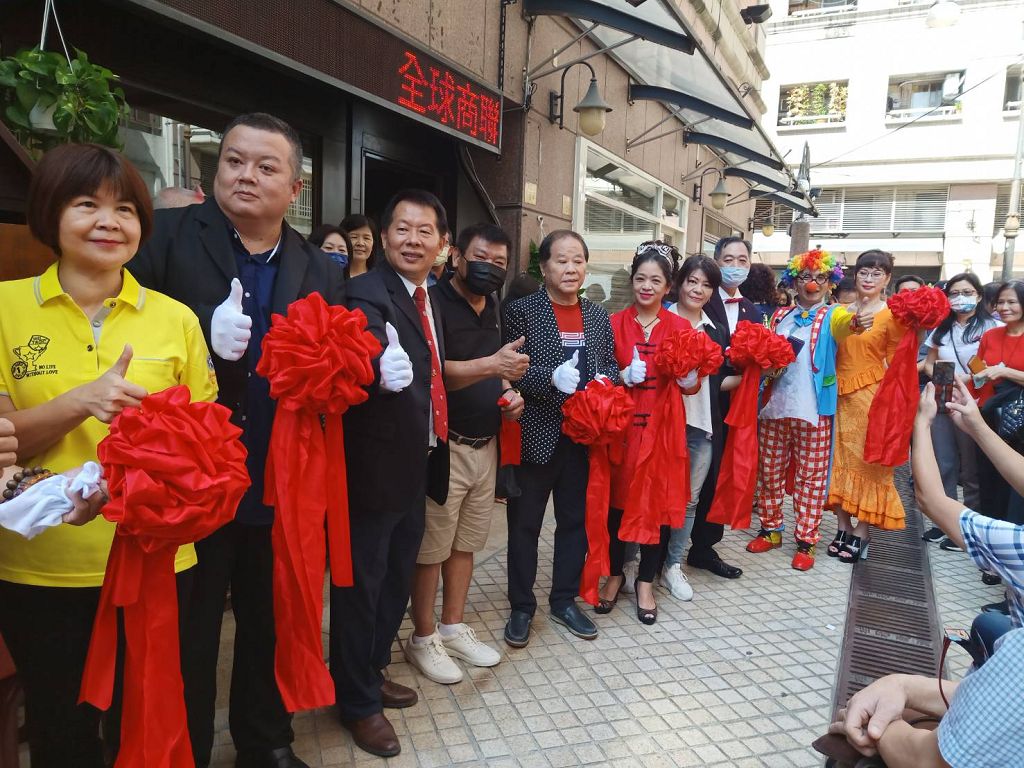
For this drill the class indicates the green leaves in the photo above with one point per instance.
(85, 107)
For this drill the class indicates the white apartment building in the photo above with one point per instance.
(912, 129)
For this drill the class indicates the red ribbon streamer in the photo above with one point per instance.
(176, 473)
(318, 359)
(754, 348)
(891, 416)
(598, 417)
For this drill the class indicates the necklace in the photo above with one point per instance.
(646, 328)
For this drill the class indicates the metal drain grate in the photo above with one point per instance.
(892, 624)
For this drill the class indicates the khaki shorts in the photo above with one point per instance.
(463, 522)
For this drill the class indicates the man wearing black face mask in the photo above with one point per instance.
(477, 372)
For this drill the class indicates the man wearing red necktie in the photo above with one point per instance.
(388, 440)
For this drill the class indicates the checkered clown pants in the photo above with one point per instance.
(782, 441)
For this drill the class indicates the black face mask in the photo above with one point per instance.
(483, 278)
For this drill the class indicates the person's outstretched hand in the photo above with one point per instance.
(927, 408)
(963, 410)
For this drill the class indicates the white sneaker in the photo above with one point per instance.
(465, 645)
(432, 660)
(629, 571)
(675, 581)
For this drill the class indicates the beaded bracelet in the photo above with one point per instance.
(24, 480)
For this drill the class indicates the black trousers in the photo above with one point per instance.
(651, 555)
(565, 476)
(366, 617)
(239, 556)
(47, 630)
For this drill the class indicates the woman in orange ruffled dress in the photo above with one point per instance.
(858, 489)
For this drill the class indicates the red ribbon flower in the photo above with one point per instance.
(660, 488)
(891, 416)
(318, 360)
(176, 473)
(598, 416)
(754, 349)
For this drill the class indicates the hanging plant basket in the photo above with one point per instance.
(48, 99)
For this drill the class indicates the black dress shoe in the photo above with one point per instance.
(991, 579)
(933, 534)
(572, 618)
(282, 757)
(948, 545)
(517, 630)
(1003, 607)
(717, 566)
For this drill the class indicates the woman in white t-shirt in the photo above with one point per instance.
(956, 340)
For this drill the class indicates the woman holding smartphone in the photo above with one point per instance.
(955, 344)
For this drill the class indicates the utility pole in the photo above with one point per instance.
(1012, 224)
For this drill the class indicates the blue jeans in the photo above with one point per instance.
(700, 462)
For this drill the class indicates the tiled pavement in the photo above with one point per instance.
(741, 676)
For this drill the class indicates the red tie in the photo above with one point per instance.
(436, 381)
(737, 300)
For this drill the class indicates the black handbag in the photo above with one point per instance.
(1005, 413)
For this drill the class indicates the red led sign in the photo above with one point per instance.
(434, 92)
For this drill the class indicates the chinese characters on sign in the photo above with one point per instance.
(431, 90)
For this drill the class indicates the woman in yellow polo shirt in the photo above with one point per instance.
(78, 344)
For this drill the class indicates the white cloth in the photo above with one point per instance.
(411, 287)
(44, 504)
(732, 311)
(793, 395)
(698, 406)
(954, 349)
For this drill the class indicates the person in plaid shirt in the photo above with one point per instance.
(795, 431)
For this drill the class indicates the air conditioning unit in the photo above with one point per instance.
(952, 86)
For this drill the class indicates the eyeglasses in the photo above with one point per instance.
(964, 294)
(805, 278)
(873, 274)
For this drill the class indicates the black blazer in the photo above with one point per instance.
(533, 317)
(189, 257)
(715, 309)
(386, 437)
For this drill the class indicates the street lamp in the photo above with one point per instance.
(591, 109)
(719, 195)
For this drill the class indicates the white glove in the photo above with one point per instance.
(689, 381)
(636, 372)
(566, 377)
(230, 327)
(395, 365)
(44, 504)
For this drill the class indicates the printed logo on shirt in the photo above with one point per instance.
(28, 356)
(572, 339)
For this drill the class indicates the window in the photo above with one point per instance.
(622, 206)
(714, 230)
(815, 7)
(770, 212)
(813, 103)
(881, 209)
(1002, 208)
(1012, 94)
(914, 96)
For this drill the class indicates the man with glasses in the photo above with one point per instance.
(795, 434)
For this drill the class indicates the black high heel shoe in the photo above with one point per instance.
(854, 549)
(605, 606)
(645, 615)
(836, 545)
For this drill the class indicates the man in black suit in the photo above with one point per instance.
(387, 443)
(726, 308)
(238, 245)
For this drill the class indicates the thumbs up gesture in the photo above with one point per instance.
(111, 393)
(395, 365)
(566, 377)
(230, 327)
(636, 372)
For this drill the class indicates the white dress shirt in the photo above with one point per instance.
(732, 311)
(698, 405)
(411, 287)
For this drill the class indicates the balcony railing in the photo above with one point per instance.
(832, 118)
(948, 110)
(805, 8)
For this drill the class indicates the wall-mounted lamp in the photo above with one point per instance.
(719, 195)
(767, 229)
(592, 109)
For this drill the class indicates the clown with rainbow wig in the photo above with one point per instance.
(795, 428)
